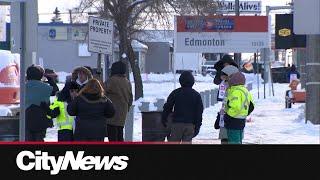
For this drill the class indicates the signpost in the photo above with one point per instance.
(100, 38)
(221, 34)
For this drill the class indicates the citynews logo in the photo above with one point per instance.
(42, 161)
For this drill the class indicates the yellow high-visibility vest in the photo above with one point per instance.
(238, 98)
(64, 121)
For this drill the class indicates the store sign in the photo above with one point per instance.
(284, 32)
(79, 33)
(244, 6)
(285, 38)
(3, 29)
(100, 35)
(221, 34)
(58, 33)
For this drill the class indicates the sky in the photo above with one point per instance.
(48, 6)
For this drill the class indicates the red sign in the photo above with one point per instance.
(222, 24)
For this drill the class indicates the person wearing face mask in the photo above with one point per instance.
(226, 73)
(81, 76)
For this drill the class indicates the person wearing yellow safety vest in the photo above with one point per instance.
(63, 120)
(239, 104)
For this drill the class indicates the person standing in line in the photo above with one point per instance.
(186, 105)
(227, 71)
(220, 80)
(119, 90)
(37, 104)
(64, 121)
(239, 104)
(92, 108)
(81, 76)
(293, 74)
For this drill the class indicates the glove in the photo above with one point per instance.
(216, 123)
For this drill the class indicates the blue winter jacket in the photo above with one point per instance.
(37, 92)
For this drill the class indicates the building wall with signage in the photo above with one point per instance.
(62, 48)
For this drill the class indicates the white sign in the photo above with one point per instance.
(214, 42)
(83, 50)
(306, 17)
(100, 35)
(225, 34)
(244, 6)
(3, 29)
(79, 33)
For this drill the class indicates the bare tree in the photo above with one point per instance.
(131, 16)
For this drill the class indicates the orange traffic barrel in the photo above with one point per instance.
(9, 95)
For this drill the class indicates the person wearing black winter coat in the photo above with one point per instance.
(226, 60)
(186, 105)
(80, 76)
(293, 70)
(91, 108)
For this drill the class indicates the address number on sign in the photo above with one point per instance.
(258, 44)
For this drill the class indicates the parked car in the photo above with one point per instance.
(207, 68)
(279, 74)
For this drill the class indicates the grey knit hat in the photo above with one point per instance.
(230, 69)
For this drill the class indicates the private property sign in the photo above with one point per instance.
(100, 35)
(221, 34)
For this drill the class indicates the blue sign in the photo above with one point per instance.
(209, 24)
(52, 33)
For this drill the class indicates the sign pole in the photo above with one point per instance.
(99, 67)
(22, 123)
(237, 56)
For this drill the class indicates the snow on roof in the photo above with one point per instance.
(137, 46)
(155, 35)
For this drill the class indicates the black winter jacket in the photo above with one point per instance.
(36, 117)
(185, 103)
(91, 112)
(220, 65)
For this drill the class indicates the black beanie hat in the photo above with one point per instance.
(186, 79)
(118, 68)
(34, 73)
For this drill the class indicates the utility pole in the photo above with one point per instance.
(70, 16)
(313, 79)
(237, 56)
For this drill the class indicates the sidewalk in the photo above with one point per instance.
(271, 122)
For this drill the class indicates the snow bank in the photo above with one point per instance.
(169, 77)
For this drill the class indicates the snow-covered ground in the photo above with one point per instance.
(271, 122)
